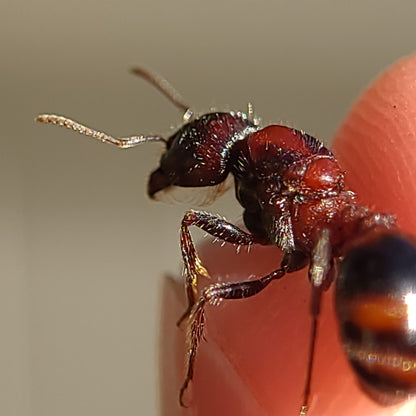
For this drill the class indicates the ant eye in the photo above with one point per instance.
(376, 306)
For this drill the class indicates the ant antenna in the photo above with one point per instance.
(166, 89)
(125, 142)
(251, 116)
(250, 112)
(122, 142)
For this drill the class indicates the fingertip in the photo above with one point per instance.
(255, 357)
(376, 144)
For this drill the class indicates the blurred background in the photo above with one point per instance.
(83, 251)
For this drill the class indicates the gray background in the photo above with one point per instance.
(83, 252)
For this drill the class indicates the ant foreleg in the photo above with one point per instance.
(215, 226)
(213, 294)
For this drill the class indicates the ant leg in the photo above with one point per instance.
(213, 294)
(217, 227)
(282, 228)
(320, 276)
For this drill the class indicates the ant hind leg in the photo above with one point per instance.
(213, 294)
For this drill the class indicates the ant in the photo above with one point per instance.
(292, 191)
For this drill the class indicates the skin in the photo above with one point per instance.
(254, 360)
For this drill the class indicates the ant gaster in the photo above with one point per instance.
(292, 190)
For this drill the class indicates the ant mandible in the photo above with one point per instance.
(292, 190)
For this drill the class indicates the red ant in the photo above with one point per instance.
(292, 190)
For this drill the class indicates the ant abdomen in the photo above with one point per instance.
(376, 306)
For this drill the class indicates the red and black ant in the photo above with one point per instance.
(292, 190)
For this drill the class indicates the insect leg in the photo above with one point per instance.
(213, 294)
(217, 227)
(320, 277)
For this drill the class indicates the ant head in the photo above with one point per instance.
(198, 154)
